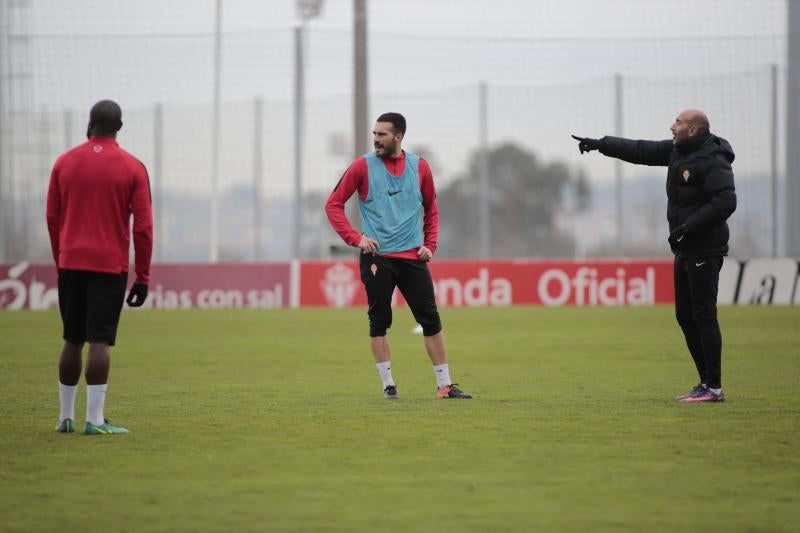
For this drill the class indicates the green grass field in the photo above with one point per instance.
(275, 421)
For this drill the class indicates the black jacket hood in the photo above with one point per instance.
(722, 146)
(710, 144)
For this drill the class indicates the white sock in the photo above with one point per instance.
(385, 370)
(95, 401)
(67, 395)
(442, 373)
(716, 391)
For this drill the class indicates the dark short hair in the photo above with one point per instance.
(397, 120)
(105, 117)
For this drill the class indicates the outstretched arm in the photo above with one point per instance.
(654, 153)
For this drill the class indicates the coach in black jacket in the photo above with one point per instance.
(700, 198)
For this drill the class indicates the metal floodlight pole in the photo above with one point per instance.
(213, 235)
(792, 183)
(618, 169)
(158, 174)
(299, 104)
(306, 10)
(773, 152)
(360, 81)
(4, 118)
(484, 192)
(258, 177)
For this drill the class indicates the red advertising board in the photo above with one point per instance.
(337, 284)
(501, 283)
(173, 286)
(457, 283)
(27, 286)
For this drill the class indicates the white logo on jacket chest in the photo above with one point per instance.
(686, 175)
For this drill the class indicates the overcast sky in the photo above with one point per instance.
(472, 18)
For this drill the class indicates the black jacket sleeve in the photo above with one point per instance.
(719, 189)
(653, 153)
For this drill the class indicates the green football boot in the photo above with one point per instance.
(66, 426)
(106, 428)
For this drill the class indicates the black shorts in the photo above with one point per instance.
(90, 305)
(381, 275)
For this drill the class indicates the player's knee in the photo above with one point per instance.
(430, 330)
(706, 318)
(74, 341)
(378, 328)
(431, 325)
(684, 317)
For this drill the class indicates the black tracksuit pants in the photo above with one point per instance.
(696, 285)
(381, 275)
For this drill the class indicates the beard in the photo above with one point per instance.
(385, 148)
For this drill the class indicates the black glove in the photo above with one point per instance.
(677, 235)
(586, 144)
(137, 295)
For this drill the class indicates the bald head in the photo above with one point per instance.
(690, 123)
(697, 118)
(105, 119)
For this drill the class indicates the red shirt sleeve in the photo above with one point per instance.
(354, 179)
(141, 207)
(430, 220)
(54, 210)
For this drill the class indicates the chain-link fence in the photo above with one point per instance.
(538, 91)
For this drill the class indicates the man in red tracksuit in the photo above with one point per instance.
(94, 189)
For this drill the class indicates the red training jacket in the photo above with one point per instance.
(356, 178)
(94, 190)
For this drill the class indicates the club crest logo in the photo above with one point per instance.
(97, 148)
(339, 285)
(686, 175)
(374, 268)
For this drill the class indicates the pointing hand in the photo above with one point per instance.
(585, 144)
